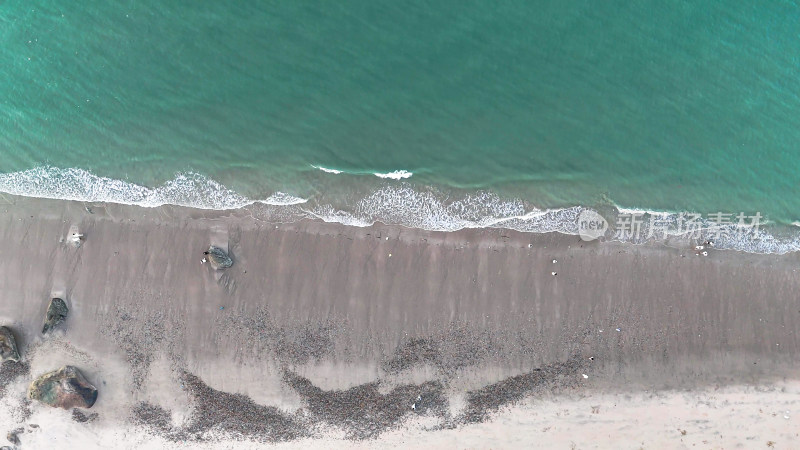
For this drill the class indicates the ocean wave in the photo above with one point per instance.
(283, 199)
(327, 170)
(428, 209)
(401, 204)
(396, 175)
(638, 211)
(186, 189)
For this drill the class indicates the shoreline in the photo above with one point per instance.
(410, 205)
(342, 307)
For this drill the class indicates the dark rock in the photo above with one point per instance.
(13, 436)
(218, 258)
(64, 388)
(56, 313)
(8, 345)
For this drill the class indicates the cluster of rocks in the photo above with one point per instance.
(363, 412)
(68, 388)
(64, 388)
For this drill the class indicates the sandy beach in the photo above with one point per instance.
(333, 336)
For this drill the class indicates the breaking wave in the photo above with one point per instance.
(396, 175)
(327, 170)
(393, 203)
(186, 189)
(283, 199)
(427, 209)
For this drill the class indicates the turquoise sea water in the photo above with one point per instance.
(493, 108)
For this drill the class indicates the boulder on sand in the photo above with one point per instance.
(56, 313)
(63, 388)
(218, 257)
(8, 345)
(13, 436)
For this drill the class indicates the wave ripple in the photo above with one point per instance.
(394, 203)
(186, 189)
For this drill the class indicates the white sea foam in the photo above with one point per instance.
(637, 211)
(186, 189)
(396, 204)
(396, 175)
(327, 170)
(732, 236)
(283, 199)
(429, 210)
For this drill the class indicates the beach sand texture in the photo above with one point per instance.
(327, 335)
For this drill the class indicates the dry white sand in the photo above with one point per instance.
(724, 418)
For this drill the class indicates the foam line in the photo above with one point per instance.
(395, 204)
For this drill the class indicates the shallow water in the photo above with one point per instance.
(499, 109)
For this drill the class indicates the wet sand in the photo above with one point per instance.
(334, 332)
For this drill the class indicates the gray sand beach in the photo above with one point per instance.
(325, 335)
